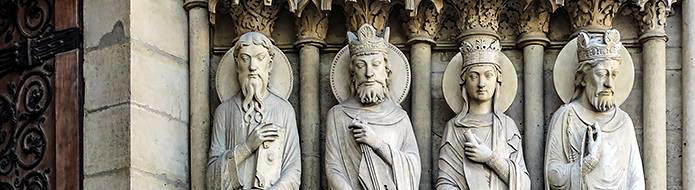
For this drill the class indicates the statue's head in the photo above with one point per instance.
(253, 56)
(369, 65)
(599, 61)
(481, 74)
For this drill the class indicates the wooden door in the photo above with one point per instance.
(40, 94)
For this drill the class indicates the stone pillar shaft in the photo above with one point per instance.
(533, 113)
(654, 112)
(310, 116)
(688, 66)
(199, 68)
(421, 109)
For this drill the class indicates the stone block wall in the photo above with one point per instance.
(136, 110)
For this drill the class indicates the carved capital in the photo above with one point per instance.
(534, 18)
(252, 15)
(423, 26)
(312, 26)
(652, 19)
(373, 12)
(478, 16)
(190, 4)
(592, 15)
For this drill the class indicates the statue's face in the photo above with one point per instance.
(599, 84)
(253, 65)
(480, 82)
(370, 74)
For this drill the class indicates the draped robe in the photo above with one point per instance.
(457, 171)
(619, 166)
(229, 133)
(346, 164)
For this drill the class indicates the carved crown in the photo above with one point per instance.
(480, 51)
(598, 47)
(366, 41)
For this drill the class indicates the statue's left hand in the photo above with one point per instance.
(476, 151)
(364, 133)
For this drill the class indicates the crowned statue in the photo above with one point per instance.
(370, 142)
(481, 147)
(254, 142)
(591, 142)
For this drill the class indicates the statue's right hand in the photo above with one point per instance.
(594, 134)
(261, 134)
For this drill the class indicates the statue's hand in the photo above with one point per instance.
(594, 134)
(261, 134)
(476, 151)
(364, 133)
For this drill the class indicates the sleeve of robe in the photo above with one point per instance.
(222, 173)
(450, 175)
(560, 173)
(335, 170)
(406, 161)
(518, 174)
(292, 164)
(635, 171)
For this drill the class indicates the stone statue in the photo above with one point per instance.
(591, 142)
(254, 142)
(481, 147)
(370, 142)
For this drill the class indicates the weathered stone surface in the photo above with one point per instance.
(106, 77)
(159, 81)
(106, 143)
(105, 23)
(156, 143)
(114, 179)
(162, 24)
(140, 179)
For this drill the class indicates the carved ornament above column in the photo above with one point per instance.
(594, 16)
(311, 24)
(424, 24)
(251, 15)
(478, 17)
(652, 18)
(533, 24)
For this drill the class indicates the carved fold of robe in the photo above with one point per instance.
(457, 171)
(620, 165)
(346, 164)
(226, 170)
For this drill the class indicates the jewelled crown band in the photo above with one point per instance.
(366, 41)
(605, 46)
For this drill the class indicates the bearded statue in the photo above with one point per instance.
(481, 147)
(591, 141)
(370, 142)
(253, 146)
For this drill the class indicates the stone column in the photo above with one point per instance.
(534, 144)
(421, 29)
(199, 73)
(688, 66)
(533, 27)
(312, 26)
(653, 40)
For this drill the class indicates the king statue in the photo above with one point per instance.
(370, 142)
(251, 146)
(481, 148)
(591, 142)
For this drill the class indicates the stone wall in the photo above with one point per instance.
(136, 110)
(445, 49)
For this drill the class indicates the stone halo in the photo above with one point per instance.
(566, 66)
(400, 74)
(452, 89)
(227, 83)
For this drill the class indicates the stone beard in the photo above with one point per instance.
(252, 147)
(591, 142)
(370, 91)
